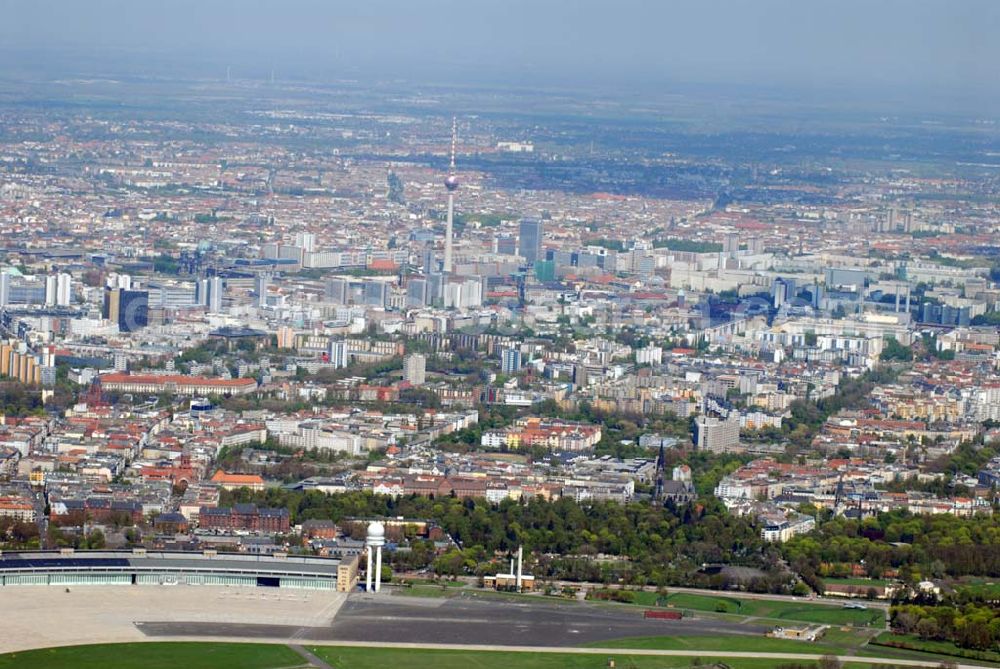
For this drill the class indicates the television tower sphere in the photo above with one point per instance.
(376, 534)
(451, 182)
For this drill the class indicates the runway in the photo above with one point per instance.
(455, 621)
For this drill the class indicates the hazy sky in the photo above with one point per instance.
(940, 47)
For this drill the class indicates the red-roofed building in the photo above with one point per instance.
(235, 481)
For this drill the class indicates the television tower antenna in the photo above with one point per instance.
(451, 183)
(454, 141)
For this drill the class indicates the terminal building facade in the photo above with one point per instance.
(141, 567)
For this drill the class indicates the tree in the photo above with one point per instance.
(94, 540)
(927, 628)
(893, 350)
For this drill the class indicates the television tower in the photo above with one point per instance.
(451, 183)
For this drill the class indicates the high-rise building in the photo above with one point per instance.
(435, 288)
(17, 362)
(123, 281)
(427, 261)
(201, 292)
(545, 270)
(505, 245)
(510, 361)
(64, 289)
(215, 295)
(337, 352)
(908, 221)
(530, 244)
(4, 289)
(779, 293)
(337, 291)
(731, 244)
(415, 369)
(416, 293)
(171, 295)
(133, 310)
(649, 355)
(51, 289)
(112, 303)
(375, 293)
(286, 337)
(463, 294)
(306, 241)
(716, 435)
(260, 288)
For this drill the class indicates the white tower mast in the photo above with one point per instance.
(451, 183)
(374, 541)
(368, 571)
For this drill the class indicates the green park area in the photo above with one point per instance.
(362, 658)
(156, 656)
(171, 655)
(859, 614)
(789, 611)
(768, 611)
(884, 644)
(261, 656)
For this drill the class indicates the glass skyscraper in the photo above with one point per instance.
(531, 240)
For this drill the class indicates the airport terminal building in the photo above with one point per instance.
(141, 567)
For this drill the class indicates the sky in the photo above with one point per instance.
(934, 48)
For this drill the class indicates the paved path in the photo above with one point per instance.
(309, 657)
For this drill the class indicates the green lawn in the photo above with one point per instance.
(156, 656)
(733, 607)
(760, 644)
(372, 658)
(804, 611)
(264, 656)
(913, 642)
(989, 590)
(792, 612)
(426, 591)
(432, 582)
(834, 642)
